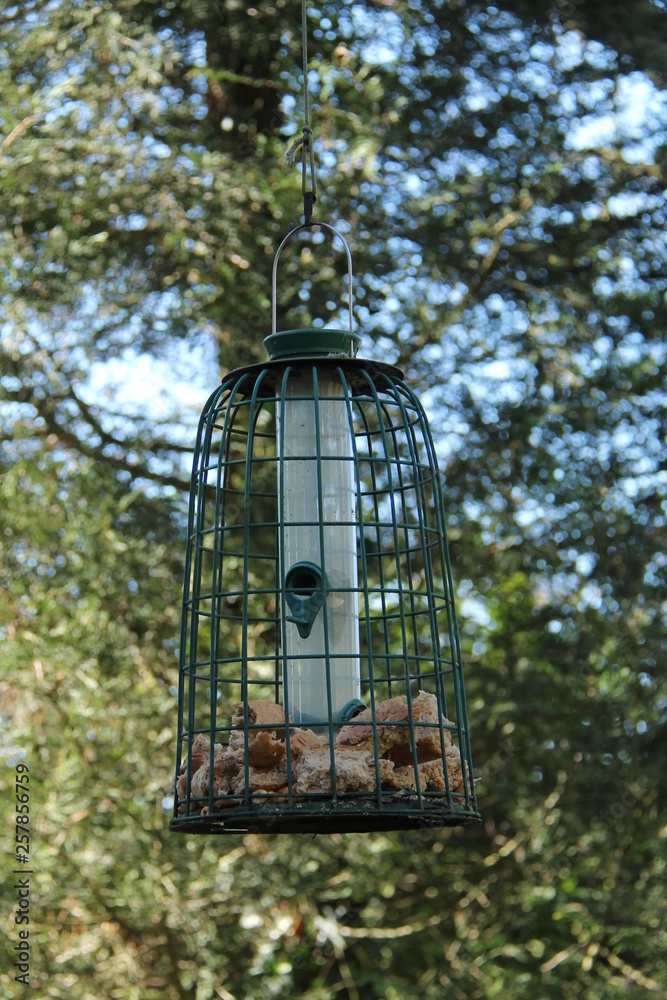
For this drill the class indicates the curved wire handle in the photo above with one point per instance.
(297, 229)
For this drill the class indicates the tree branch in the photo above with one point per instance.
(71, 440)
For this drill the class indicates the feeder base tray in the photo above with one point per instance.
(358, 816)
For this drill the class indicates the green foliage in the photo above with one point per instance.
(510, 255)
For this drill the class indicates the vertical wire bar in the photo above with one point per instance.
(364, 574)
(320, 505)
(390, 484)
(282, 571)
(378, 539)
(258, 413)
(230, 410)
(369, 634)
(440, 694)
(187, 615)
(217, 575)
(200, 461)
(455, 646)
(408, 682)
(426, 545)
(406, 537)
(422, 505)
(277, 629)
(228, 431)
(246, 546)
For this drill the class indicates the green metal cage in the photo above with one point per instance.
(320, 685)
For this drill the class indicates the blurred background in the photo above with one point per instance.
(500, 173)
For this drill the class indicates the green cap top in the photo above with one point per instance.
(312, 342)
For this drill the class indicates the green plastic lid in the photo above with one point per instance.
(312, 342)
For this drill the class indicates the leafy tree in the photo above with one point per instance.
(500, 171)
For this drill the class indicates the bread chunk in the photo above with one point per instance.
(355, 771)
(265, 746)
(226, 766)
(400, 778)
(304, 739)
(431, 774)
(201, 756)
(394, 741)
(261, 713)
(264, 750)
(201, 749)
(267, 779)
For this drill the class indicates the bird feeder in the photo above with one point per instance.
(320, 679)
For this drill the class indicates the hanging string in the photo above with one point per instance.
(306, 139)
(304, 59)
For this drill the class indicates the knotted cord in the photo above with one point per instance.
(305, 140)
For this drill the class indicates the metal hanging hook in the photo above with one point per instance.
(274, 285)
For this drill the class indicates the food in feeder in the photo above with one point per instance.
(310, 754)
(226, 765)
(201, 754)
(431, 774)
(201, 749)
(355, 771)
(268, 779)
(264, 749)
(261, 713)
(401, 778)
(200, 778)
(304, 739)
(394, 740)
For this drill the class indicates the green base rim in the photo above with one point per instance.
(358, 816)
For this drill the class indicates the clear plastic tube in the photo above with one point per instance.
(319, 528)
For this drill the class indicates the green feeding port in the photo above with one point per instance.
(306, 589)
